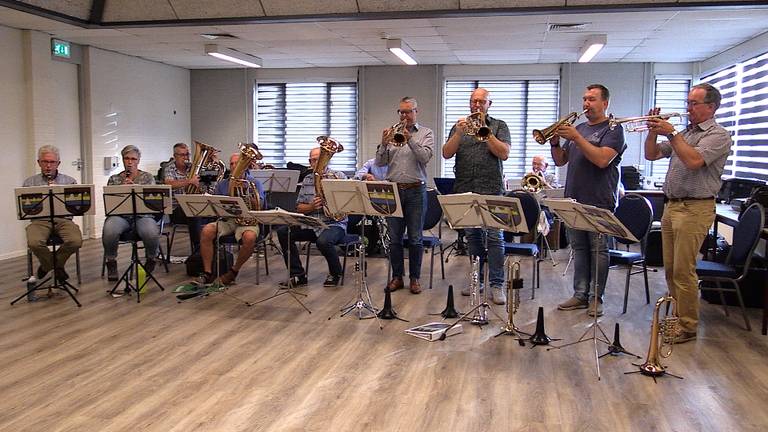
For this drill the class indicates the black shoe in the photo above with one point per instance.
(40, 273)
(111, 270)
(295, 281)
(61, 274)
(332, 281)
(149, 266)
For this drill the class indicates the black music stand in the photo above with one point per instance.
(132, 201)
(50, 202)
(282, 217)
(471, 210)
(364, 198)
(279, 181)
(602, 222)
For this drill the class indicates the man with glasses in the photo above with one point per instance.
(697, 158)
(408, 168)
(177, 176)
(39, 230)
(479, 168)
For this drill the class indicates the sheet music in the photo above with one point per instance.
(277, 180)
(151, 199)
(282, 217)
(33, 202)
(373, 198)
(589, 218)
(212, 206)
(471, 210)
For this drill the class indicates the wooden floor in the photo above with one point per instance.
(218, 365)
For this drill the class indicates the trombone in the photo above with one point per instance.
(543, 135)
(639, 124)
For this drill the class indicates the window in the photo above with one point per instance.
(744, 112)
(290, 116)
(523, 104)
(670, 95)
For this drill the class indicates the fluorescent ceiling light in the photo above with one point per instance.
(233, 56)
(402, 51)
(590, 49)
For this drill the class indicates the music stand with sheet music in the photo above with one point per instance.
(132, 201)
(602, 222)
(50, 202)
(282, 217)
(275, 181)
(471, 210)
(364, 198)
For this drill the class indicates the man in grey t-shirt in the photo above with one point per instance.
(593, 154)
(698, 156)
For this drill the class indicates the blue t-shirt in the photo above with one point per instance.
(586, 182)
(222, 188)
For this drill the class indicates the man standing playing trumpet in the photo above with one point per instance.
(479, 168)
(697, 157)
(593, 153)
(407, 157)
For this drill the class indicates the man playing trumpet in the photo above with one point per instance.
(407, 156)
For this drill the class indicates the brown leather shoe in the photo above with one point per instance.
(395, 284)
(415, 286)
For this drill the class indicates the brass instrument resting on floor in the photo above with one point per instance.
(328, 148)
(541, 136)
(481, 316)
(397, 134)
(640, 124)
(663, 331)
(533, 182)
(240, 187)
(204, 160)
(477, 127)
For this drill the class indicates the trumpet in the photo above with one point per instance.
(640, 124)
(477, 127)
(541, 136)
(397, 134)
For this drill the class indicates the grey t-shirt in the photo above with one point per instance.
(586, 182)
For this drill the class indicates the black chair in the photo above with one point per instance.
(434, 213)
(746, 235)
(347, 244)
(531, 210)
(54, 239)
(636, 213)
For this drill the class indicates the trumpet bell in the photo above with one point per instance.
(541, 136)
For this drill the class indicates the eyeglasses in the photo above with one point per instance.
(693, 103)
(478, 101)
(46, 162)
(405, 112)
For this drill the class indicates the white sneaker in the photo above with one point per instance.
(498, 295)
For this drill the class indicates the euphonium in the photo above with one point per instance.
(663, 331)
(328, 147)
(240, 187)
(204, 159)
(476, 126)
(639, 124)
(533, 182)
(397, 134)
(541, 136)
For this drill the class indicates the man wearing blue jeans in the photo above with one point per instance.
(407, 163)
(479, 169)
(593, 154)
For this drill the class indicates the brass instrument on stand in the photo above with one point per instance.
(240, 187)
(328, 148)
(663, 331)
(481, 316)
(204, 160)
(541, 136)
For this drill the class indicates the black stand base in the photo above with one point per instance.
(387, 312)
(133, 272)
(57, 284)
(450, 310)
(615, 347)
(539, 337)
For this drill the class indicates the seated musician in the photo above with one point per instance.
(245, 234)
(539, 166)
(177, 176)
(146, 225)
(370, 171)
(39, 230)
(326, 239)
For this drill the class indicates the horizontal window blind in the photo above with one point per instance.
(290, 116)
(523, 104)
(670, 95)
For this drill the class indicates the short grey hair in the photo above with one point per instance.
(130, 149)
(712, 94)
(48, 149)
(410, 100)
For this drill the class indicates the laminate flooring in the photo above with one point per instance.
(215, 364)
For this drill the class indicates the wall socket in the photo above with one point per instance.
(111, 162)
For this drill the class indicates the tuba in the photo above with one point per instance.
(204, 160)
(328, 148)
(240, 187)
(541, 136)
(477, 127)
(533, 182)
(663, 332)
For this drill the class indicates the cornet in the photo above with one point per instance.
(640, 124)
(476, 126)
(541, 136)
(397, 134)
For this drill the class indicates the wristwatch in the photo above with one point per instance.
(672, 134)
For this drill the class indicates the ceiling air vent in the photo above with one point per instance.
(567, 27)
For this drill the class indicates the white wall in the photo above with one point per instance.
(132, 101)
(18, 159)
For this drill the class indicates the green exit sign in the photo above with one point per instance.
(60, 48)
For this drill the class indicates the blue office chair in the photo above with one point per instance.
(531, 210)
(434, 213)
(746, 235)
(348, 243)
(636, 213)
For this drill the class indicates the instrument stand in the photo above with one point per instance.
(615, 347)
(653, 375)
(133, 268)
(363, 301)
(57, 283)
(290, 289)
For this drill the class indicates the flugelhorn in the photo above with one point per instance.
(541, 136)
(397, 134)
(663, 331)
(476, 126)
(640, 124)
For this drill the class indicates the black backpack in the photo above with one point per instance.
(194, 263)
